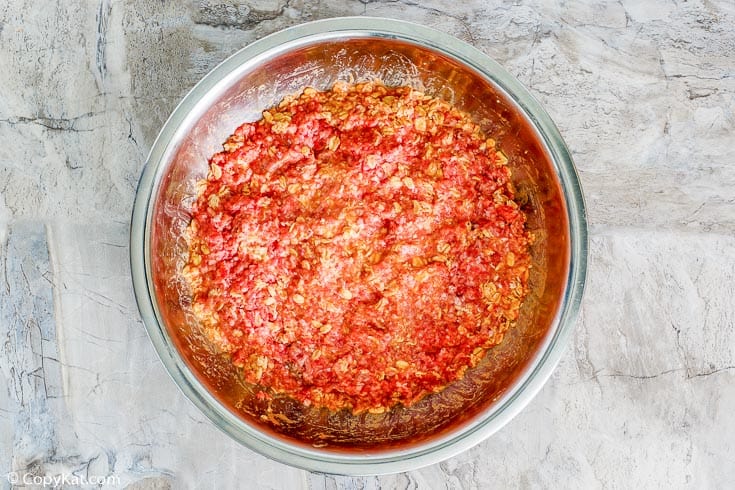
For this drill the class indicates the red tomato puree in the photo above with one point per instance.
(357, 248)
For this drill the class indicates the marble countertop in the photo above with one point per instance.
(644, 94)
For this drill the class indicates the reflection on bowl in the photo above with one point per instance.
(319, 54)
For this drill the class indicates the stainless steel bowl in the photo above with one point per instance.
(398, 53)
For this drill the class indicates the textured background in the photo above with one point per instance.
(643, 92)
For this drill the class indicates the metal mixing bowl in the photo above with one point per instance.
(398, 53)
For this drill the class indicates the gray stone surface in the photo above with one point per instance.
(644, 94)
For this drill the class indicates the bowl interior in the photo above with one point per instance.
(262, 81)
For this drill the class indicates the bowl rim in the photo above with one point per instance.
(509, 404)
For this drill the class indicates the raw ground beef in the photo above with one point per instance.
(358, 247)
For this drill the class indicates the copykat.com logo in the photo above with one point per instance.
(22, 479)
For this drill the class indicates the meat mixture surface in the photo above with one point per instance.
(358, 247)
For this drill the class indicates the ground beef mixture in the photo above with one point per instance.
(357, 248)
